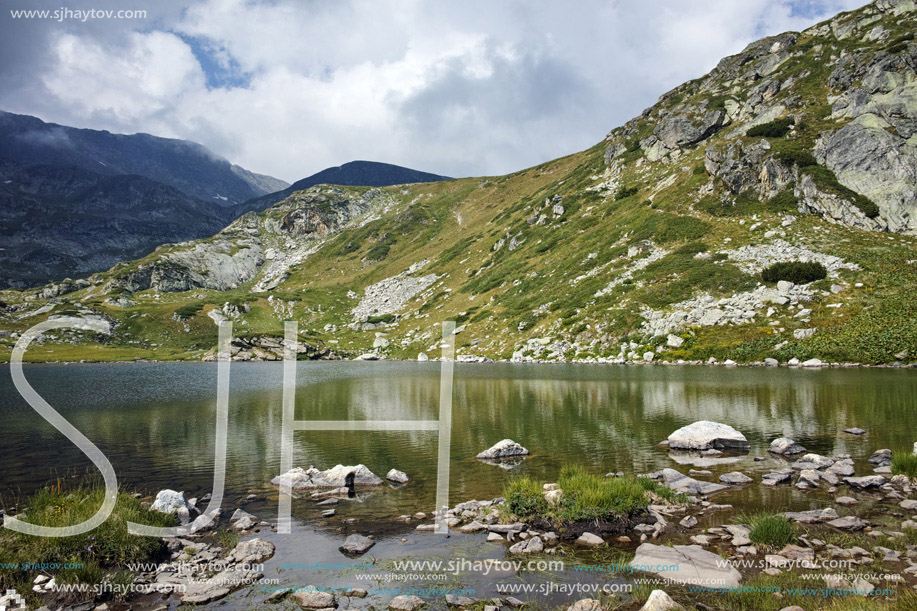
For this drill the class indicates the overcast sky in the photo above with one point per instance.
(289, 87)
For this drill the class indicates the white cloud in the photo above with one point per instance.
(458, 88)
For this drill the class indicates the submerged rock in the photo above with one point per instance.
(688, 485)
(399, 477)
(704, 434)
(693, 565)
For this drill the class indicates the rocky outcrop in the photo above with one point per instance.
(336, 477)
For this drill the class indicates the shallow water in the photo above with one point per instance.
(155, 422)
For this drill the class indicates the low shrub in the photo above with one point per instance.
(904, 463)
(772, 530)
(189, 310)
(772, 129)
(803, 159)
(382, 318)
(524, 497)
(797, 272)
(625, 192)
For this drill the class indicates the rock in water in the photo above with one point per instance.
(357, 544)
(660, 601)
(335, 477)
(703, 435)
(313, 598)
(693, 565)
(680, 482)
(504, 449)
(785, 445)
(399, 477)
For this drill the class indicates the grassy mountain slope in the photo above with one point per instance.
(652, 241)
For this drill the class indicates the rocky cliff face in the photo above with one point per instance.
(844, 96)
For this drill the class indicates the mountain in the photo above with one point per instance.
(64, 221)
(764, 212)
(187, 166)
(353, 173)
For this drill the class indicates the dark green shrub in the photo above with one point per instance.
(797, 272)
(803, 159)
(826, 180)
(382, 318)
(624, 192)
(189, 310)
(773, 129)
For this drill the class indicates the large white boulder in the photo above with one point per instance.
(704, 434)
(504, 449)
(170, 501)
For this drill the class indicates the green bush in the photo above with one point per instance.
(773, 530)
(624, 192)
(797, 272)
(524, 497)
(904, 463)
(382, 318)
(803, 159)
(773, 129)
(826, 180)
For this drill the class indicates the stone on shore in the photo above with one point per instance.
(660, 601)
(704, 435)
(503, 449)
(694, 565)
(533, 545)
(784, 446)
(170, 501)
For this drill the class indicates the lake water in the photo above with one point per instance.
(155, 422)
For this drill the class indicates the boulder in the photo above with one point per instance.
(590, 540)
(313, 598)
(399, 477)
(356, 545)
(784, 446)
(682, 483)
(881, 458)
(735, 478)
(533, 545)
(703, 435)
(693, 565)
(867, 481)
(503, 449)
(253, 551)
(336, 477)
(170, 501)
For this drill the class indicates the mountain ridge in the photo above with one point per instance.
(649, 246)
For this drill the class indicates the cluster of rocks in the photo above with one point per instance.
(390, 295)
(338, 477)
(268, 348)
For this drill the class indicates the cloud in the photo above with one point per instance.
(290, 87)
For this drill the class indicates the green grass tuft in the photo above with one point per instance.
(771, 529)
(904, 463)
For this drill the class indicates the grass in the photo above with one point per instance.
(586, 496)
(904, 463)
(105, 551)
(771, 529)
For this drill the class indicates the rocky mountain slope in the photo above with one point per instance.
(187, 166)
(59, 222)
(353, 173)
(651, 245)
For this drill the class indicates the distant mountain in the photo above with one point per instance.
(187, 166)
(58, 222)
(354, 174)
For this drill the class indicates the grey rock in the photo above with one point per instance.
(406, 603)
(867, 481)
(735, 478)
(503, 449)
(693, 563)
(357, 544)
(785, 445)
(703, 435)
